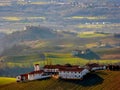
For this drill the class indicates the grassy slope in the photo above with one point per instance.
(5, 80)
(101, 80)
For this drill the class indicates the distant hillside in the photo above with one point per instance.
(31, 33)
(94, 81)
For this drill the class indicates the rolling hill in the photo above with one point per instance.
(30, 34)
(94, 81)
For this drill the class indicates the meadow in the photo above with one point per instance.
(6, 80)
(92, 34)
(51, 58)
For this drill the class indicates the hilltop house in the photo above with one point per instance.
(73, 73)
(36, 74)
(55, 68)
(66, 71)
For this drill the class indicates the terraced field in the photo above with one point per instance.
(100, 80)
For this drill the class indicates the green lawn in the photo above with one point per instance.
(6, 80)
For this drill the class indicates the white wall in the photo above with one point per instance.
(73, 75)
(37, 76)
(99, 68)
(34, 76)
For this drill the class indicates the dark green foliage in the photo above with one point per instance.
(88, 54)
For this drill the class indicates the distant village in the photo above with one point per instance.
(67, 71)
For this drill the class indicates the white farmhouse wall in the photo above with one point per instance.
(73, 75)
(51, 70)
(34, 76)
(37, 76)
(98, 68)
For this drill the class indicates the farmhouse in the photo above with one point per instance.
(73, 73)
(55, 68)
(66, 71)
(36, 74)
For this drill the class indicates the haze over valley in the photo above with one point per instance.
(51, 31)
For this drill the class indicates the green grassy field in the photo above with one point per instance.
(51, 58)
(100, 80)
(6, 80)
(92, 34)
(90, 18)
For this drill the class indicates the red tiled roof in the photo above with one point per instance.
(36, 72)
(60, 66)
(24, 74)
(52, 66)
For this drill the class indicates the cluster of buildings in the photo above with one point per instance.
(87, 54)
(59, 71)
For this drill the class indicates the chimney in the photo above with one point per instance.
(36, 67)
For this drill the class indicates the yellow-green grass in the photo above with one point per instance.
(57, 58)
(91, 35)
(88, 17)
(100, 80)
(35, 44)
(6, 80)
(91, 26)
(68, 58)
(12, 18)
(53, 58)
(15, 18)
(91, 45)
